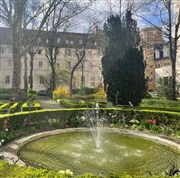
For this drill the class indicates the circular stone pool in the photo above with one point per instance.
(120, 153)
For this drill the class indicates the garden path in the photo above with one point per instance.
(48, 103)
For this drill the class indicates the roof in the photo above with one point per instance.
(67, 39)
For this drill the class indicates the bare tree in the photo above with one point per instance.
(161, 13)
(12, 15)
(59, 21)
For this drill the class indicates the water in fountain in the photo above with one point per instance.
(96, 123)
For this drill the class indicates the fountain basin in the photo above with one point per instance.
(121, 152)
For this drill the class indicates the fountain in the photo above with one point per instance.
(96, 123)
(126, 152)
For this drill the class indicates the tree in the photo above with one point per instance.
(123, 68)
(163, 14)
(12, 15)
(60, 21)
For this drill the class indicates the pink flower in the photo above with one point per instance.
(152, 121)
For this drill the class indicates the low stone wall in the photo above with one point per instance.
(10, 150)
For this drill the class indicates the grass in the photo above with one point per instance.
(160, 103)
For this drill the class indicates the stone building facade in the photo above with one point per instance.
(69, 44)
(156, 54)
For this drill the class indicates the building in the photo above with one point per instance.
(156, 54)
(68, 45)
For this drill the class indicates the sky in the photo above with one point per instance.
(99, 12)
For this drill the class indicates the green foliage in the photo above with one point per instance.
(161, 103)
(31, 105)
(7, 171)
(31, 94)
(166, 122)
(5, 94)
(100, 94)
(84, 91)
(123, 67)
(61, 92)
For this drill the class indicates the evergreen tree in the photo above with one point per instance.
(123, 67)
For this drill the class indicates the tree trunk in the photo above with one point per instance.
(53, 77)
(31, 69)
(82, 76)
(25, 73)
(16, 38)
(16, 81)
(71, 79)
(172, 55)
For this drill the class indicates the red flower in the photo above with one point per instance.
(152, 121)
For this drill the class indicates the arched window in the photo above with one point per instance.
(157, 54)
(166, 51)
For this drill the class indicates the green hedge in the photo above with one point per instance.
(27, 106)
(81, 103)
(8, 171)
(66, 117)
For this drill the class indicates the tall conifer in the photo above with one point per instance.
(123, 68)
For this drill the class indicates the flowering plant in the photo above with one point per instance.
(66, 172)
(153, 121)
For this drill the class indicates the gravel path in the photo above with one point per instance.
(48, 103)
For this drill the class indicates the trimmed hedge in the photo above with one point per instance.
(27, 106)
(7, 171)
(66, 117)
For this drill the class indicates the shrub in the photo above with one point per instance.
(86, 91)
(61, 92)
(31, 94)
(31, 105)
(100, 94)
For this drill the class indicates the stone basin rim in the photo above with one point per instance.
(11, 149)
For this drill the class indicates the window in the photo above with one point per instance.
(67, 41)
(71, 42)
(149, 36)
(166, 52)
(93, 76)
(67, 52)
(39, 40)
(58, 40)
(1, 49)
(29, 79)
(39, 51)
(93, 84)
(80, 42)
(68, 65)
(159, 65)
(157, 55)
(40, 63)
(90, 53)
(100, 77)
(91, 65)
(41, 80)
(9, 62)
(47, 41)
(7, 79)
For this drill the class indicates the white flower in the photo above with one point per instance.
(83, 118)
(66, 172)
(2, 140)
